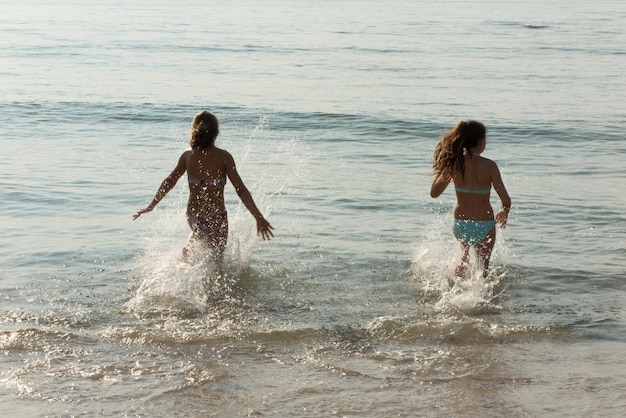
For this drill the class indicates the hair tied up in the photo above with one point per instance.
(204, 130)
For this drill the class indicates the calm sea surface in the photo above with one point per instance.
(331, 110)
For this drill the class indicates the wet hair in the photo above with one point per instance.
(204, 130)
(448, 158)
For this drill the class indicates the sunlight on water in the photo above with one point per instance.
(331, 114)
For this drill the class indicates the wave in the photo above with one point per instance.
(348, 338)
(29, 339)
(314, 126)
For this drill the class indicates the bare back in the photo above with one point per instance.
(206, 175)
(473, 189)
(208, 168)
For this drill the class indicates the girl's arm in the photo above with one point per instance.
(439, 185)
(496, 179)
(263, 227)
(167, 185)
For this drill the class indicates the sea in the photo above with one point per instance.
(331, 110)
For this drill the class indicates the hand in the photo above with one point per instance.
(141, 212)
(264, 229)
(502, 217)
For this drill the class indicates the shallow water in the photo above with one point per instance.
(331, 114)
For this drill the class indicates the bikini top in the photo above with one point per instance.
(475, 191)
(207, 183)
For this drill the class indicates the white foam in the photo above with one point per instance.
(172, 285)
(434, 261)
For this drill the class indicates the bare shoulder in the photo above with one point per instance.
(224, 155)
(489, 163)
(185, 155)
(222, 150)
(493, 168)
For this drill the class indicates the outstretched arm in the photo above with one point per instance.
(263, 227)
(496, 179)
(167, 185)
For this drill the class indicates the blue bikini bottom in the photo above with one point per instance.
(472, 232)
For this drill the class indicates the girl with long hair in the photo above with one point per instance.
(457, 159)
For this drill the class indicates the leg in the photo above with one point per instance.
(216, 244)
(459, 229)
(186, 253)
(461, 269)
(485, 248)
(209, 237)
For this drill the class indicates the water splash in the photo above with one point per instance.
(172, 286)
(474, 292)
(433, 267)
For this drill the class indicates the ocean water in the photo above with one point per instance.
(331, 110)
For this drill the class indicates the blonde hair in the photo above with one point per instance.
(204, 130)
(448, 158)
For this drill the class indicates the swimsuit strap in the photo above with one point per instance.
(205, 183)
(475, 191)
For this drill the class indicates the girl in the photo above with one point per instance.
(457, 158)
(207, 169)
